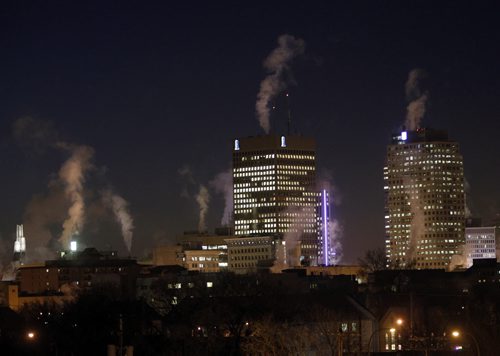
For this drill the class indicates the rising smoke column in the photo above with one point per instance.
(203, 198)
(120, 209)
(336, 231)
(223, 184)
(417, 99)
(72, 174)
(277, 63)
(293, 235)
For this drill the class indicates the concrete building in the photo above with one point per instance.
(274, 190)
(249, 254)
(480, 243)
(195, 251)
(168, 255)
(79, 271)
(425, 202)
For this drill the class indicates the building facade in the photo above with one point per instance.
(80, 271)
(425, 201)
(249, 254)
(480, 243)
(274, 190)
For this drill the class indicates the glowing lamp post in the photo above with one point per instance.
(30, 335)
(456, 334)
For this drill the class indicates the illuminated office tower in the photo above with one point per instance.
(425, 202)
(273, 186)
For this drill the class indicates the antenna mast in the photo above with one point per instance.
(289, 124)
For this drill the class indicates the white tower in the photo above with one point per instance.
(19, 244)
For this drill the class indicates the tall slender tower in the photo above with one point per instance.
(19, 245)
(273, 190)
(325, 249)
(425, 202)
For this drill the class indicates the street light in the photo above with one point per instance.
(456, 334)
(399, 321)
(30, 335)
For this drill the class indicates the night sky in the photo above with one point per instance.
(157, 88)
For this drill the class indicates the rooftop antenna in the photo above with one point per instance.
(289, 123)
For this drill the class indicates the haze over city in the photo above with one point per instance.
(149, 98)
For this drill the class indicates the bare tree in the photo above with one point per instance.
(374, 260)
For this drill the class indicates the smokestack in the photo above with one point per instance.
(276, 64)
(203, 198)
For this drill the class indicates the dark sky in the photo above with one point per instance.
(154, 87)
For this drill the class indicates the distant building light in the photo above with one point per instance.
(236, 145)
(404, 136)
(210, 284)
(283, 141)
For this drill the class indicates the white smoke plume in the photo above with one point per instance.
(223, 184)
(203, 199)
(336, 231)
(72, 174)
(468, 212)
(120, 209)
(293, 236)
(277, 63)
(417, 100)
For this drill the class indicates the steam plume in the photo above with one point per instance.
(293, 236)
(120, 209)
(72, 174)
(203, 198)
(277, 63)
(417, 99)
(336, 231)
(223, 184)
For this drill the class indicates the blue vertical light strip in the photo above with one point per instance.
(325, 229)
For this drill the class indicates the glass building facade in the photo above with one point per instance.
(425, 201)
(274, 190)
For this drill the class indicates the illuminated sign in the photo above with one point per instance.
(72, 246)
(283, 142)
(404, 136)
(236, 145)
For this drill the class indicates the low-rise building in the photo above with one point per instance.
(78, 271)
(249, 254)
(205, 260)
(480, 243)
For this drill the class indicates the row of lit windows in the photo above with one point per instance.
(259, 189)
(249, 250)
(288, 156)
(255, 168)
(294, 167)
(203, 258)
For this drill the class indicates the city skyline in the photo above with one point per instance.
(160, 108)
